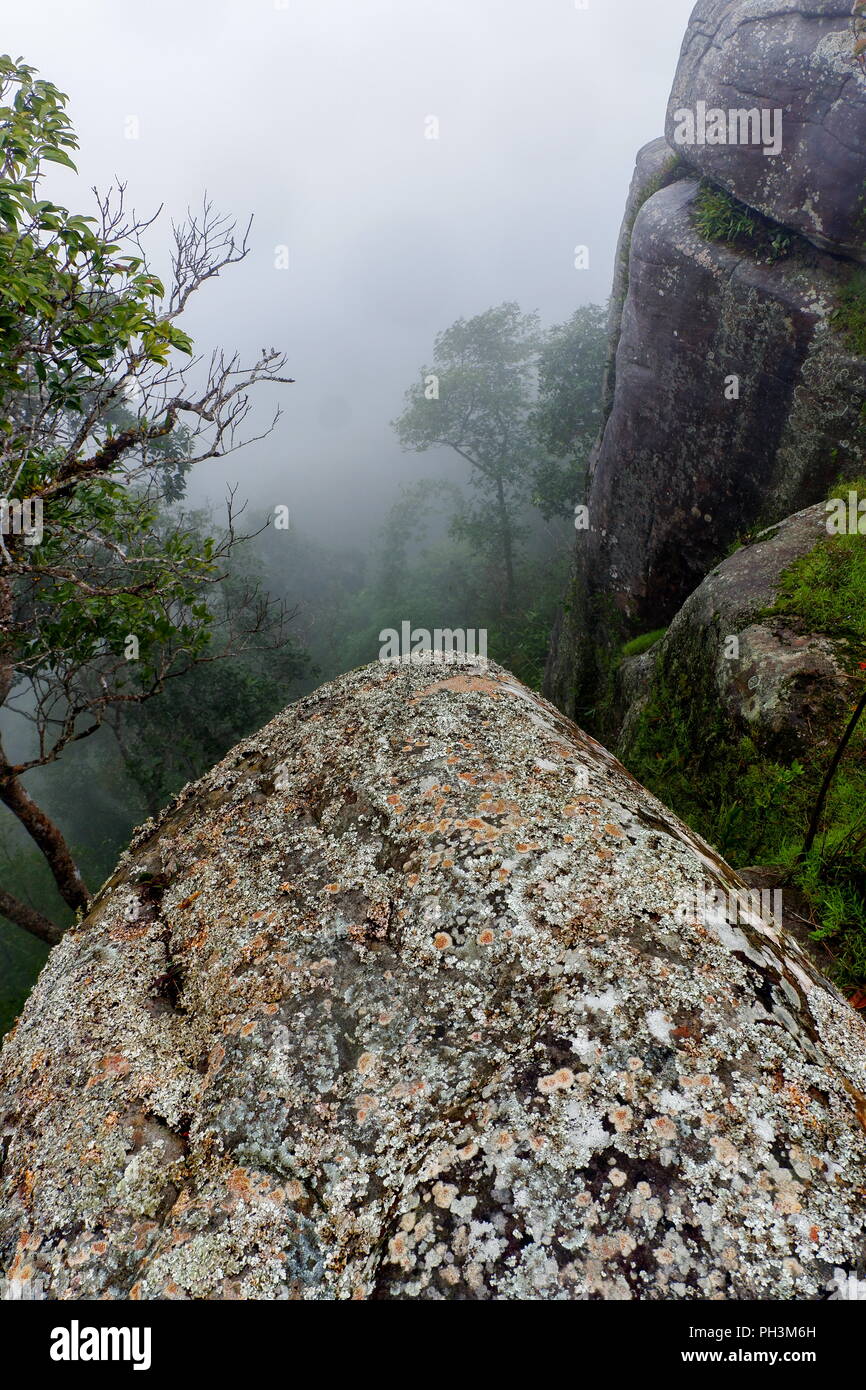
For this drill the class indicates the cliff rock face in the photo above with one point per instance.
(737, 389)
(795, 56)
(413, 997)
(683, 468)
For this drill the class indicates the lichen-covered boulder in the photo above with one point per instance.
(793, 56)
(412, 997)
(765, 674)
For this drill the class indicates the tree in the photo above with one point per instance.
(100, 606)
(166, 742)
(476, 399)
(567, 415)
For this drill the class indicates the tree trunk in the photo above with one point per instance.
(507, 554)
(42, 829)
(29, 919)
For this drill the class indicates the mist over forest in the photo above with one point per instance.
(342, 341)
(405, 167)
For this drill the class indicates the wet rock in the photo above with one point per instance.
(656, 166)
(787, 688)
(682, 468)
(420, 1009)
(797, 57)
(737, 401)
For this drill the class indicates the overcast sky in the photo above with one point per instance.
(312, 114)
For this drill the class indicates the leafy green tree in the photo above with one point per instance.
(177, 736)
(100, 419)
(476, 399)
(567, 415)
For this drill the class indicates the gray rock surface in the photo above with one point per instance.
(655, 167)
(796, 56)
(681, 470)
(406, 999)
(788, 689)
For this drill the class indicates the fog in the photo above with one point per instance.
(313, 116)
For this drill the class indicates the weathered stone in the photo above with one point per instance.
(405, 999)
(789, 689)
(682, 469)
(796, 56)
(689, 458)
(655, 167)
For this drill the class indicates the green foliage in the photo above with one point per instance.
(824, 592)
(720, 217)
(179, 734)
(21, 959)
(849, 316)
(644, 642)
(520, 407)
(56, 269)
(567, 414)
(754, 809)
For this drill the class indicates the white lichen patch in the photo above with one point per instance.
(367, 1014)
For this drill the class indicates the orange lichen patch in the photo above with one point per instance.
(188, 901)
(115, 1064)
(367, 1062)
(621, 1118)
(725, 1151)
(130, 932)
(604, 854)
(460, 684)
(332, 887)
(288, 887)
(239, 1183)
(442, 941)
(486, 937)
(248, 1028)
(364, 1106)
(561, 1080)
(665, 1127)
(614, 830)
(702, 1079)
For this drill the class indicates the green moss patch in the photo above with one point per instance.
(637, 645)
(849, 316)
